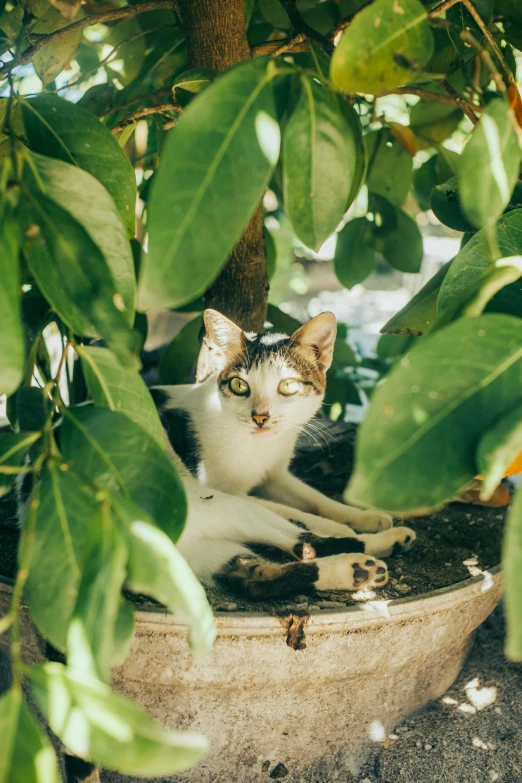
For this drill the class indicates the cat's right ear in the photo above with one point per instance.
(225, 336)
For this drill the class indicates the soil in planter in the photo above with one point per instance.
(452, 544)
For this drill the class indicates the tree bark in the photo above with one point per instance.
(216, 38)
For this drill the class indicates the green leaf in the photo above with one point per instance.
(450, 389)
(12, 344)
(72, 274)
(445, 203)
(361, 163)
(474, 259)
(33, 408)
(91, 639)
(490, 165)
(130, 56)
(421, 311)
(118, 389)
(13, 448)
(82, 196)
(512, 567)
(354, 256)
(319, 164)
(178, 363)
(221, 155)
(157, 569)
(121, 457)
(281, 321)
(27, 755)
(60, 129)
(195, 80)
(396, 235)
(340, 392)
(50, 61)
(391, 346)
(433, 121)
(63, 517)
(383, 47)
(107, 728)
(437, 170)
(497, 449)
(390, 167)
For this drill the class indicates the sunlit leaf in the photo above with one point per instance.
(66, 510)
(121, 457)
(158, 570)
(12, 344)
(112, 386)
(383, 47)
(512, 567)
(107, 728)
(27, 755)
(490, 165)
(319, 164)
(51, 60)
(475, 257)
(498, 448)
(451, 388)
(220, 154)
(63, 130)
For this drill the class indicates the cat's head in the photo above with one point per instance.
(271, 383)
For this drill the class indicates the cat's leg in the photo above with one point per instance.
(287, 489)
(383, 544)
(263, 580)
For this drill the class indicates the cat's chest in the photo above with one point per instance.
(237, 462)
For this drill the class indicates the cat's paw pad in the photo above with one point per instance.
(373, 521)
(350, 572)
(369, 572)
(404, 538)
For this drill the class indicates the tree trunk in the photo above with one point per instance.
(216, 38)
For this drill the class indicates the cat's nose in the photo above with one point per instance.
(260, 418)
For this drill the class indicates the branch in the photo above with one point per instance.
(140, 114)
(431, 96)
(489, 38)
(297, 43)
(440, 9)
(165, 92)
(107, 16)
(301, 27)
(460, 101)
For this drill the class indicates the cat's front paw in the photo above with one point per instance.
(394, 541)
(371, 521)
(351, 572)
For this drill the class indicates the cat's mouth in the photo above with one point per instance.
(264, 431)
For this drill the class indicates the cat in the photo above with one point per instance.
(252, 525)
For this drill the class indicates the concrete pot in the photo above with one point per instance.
(302, 696)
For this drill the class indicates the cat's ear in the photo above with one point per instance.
(319, 335)
(223, 333)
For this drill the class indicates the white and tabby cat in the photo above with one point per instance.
(233, 437)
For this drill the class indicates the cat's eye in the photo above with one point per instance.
(289, 387)
(239, 386)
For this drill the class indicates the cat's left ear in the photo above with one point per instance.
(319, 335)
(223, 333)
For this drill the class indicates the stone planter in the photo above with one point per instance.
(302, 697)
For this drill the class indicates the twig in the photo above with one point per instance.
(109, 56)
(300, 26)
(140, 114)
(297, 43)
(158, 95)
(440, 9)
(107, 16)
(460, 101)
(429, 96)
(486, 58)
(489, 38)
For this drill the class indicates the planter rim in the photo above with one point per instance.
(348, 618)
